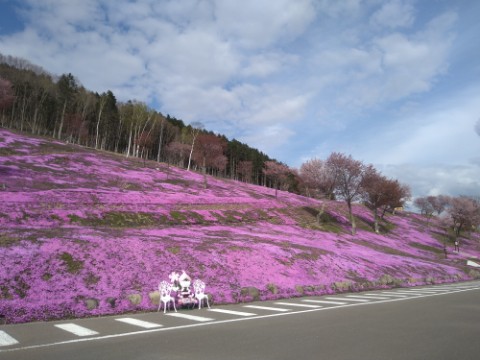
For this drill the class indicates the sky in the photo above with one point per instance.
(393, 83)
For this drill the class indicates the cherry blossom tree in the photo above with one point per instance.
(6, 94)
(429, 205)
(396, 196)
(277, 173)
(375, 193)
(209, 152)
(177, 153)
(245, 170)
(318, 180)
(348, 174)
(464, 213)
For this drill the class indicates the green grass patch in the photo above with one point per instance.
(428, 248)
(178, 216)
(380, 248)
(6, 240)
(126, 219)
(91, 279)
(116, 219)
(173, 249)
(6, 151)
(73, 266)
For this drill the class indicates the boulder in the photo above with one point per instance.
(250, 292)
(135, 299)
(154, 297)
(91, 304)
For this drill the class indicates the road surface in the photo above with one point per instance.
(434, 322)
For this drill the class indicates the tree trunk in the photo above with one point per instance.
(352, 218)
(160, 140)
(102, 103)
(204, 167)
(190, 156)
(60, 129)
(320, 213)
(375, 221)
(129, 140)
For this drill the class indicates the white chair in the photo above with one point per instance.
(165, 290)
(199, 289)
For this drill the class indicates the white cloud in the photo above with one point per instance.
(436, 180)
(394, 14)
(269, 138)
(257, 24)
(265, 64)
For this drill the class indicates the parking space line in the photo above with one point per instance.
(386, 293)
(367, 297)
(408, 293)
(190, 317)
(6, 340)
(347, 299)
(232, 312)
(76, 329)
(325, 302)
(266, 308)
(140, 323)
(298, 305)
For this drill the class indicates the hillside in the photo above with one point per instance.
(84, 233)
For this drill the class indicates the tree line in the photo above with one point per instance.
(36, 102)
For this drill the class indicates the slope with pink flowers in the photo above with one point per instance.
(86, 233)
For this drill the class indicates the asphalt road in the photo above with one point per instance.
(440, 323)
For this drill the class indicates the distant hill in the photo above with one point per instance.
(86, 232)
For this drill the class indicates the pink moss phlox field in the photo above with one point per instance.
(87, 233)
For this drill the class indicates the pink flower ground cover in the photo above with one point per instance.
(85, 233)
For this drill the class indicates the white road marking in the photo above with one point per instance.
(426, 290)
(298, 305)
(325, 302)
(239, 313)
(190, 317)
(6, 340)
(368, 297)
(386, 293)
(140, 323)
(347, 299)
(266, 308)
(382, 295)
(76, 329)
(408, 293)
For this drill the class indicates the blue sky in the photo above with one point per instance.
(395, 83)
